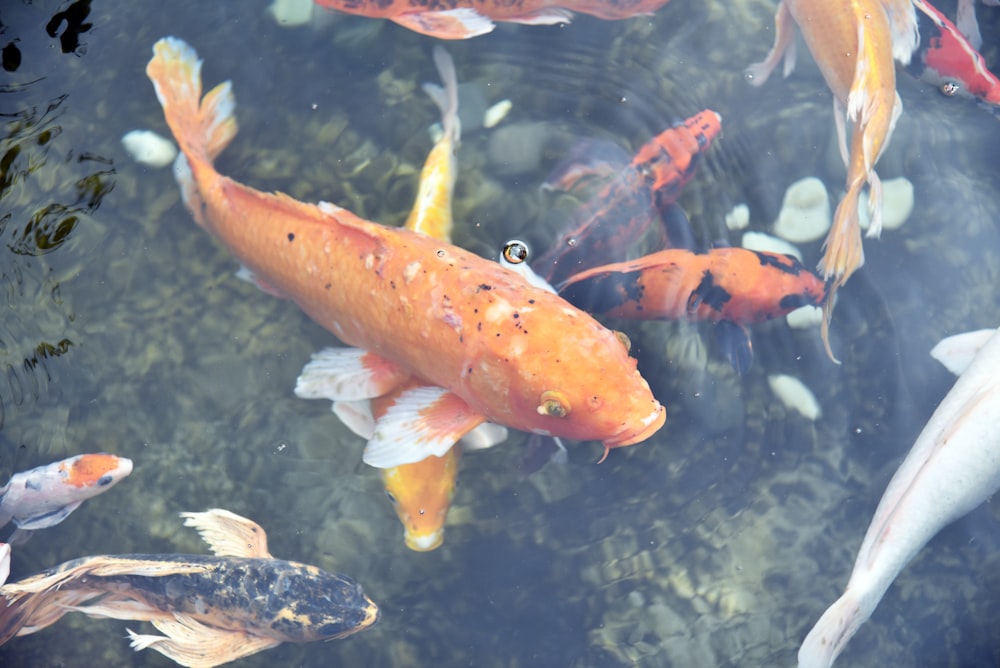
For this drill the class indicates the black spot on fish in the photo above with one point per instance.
(291, 236)
(479, 326)
(604, 292)
(328, 286)
(105, 480)
(484, 287)
(784, 263)
(708, 293)
(792, 302)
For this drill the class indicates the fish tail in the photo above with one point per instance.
(843, 254)
(446, 98)
(202, 126)
(838, 625)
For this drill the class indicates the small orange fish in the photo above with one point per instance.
(725, 285)
(624, 209)
(854, 43)
(45, 496)
(489, 346)
(462, 19)
(210, 609)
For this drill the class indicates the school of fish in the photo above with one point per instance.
(442, 350)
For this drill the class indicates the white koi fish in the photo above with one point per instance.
(953, 467)
(44, 496)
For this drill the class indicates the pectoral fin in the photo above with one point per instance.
(47, 519)
(228, 534)
(348, 374)
(461, 23)
(957, 352)
(423, 421)
(193, 644)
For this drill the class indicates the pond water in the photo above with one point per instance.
(718, 542)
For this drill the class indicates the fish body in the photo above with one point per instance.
(625, 208)
(949, 59)
(44, 496)
(499, 349)
(854, 43)
(212, 609)
(953, 466)
(743, 286)
(462, 19)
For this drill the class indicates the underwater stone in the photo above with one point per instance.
(738, 218)
(148, 148)
(897, 204)
(496, 113)
(291, 13)
(805, 212)
(517, 149)
(795, 395)
(759, 241)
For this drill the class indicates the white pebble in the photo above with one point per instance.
(497, 113)
(291, 13)
(759, 241)
(805, 317)
(795, 395)
(897, 204)
(149, 148)
(738, 218)
(805, 212)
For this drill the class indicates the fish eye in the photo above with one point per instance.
(515, 251)
(105, 480)
(392, 499)
(950, 89)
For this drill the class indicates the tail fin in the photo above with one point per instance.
(446, 98)
(203, 127)
(838, 625)
(843, 254)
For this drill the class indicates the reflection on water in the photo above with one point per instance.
(719, 542)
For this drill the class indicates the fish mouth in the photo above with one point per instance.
(424, 542)
(651, 425)
(372, 615)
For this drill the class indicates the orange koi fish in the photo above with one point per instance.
(724, 285)
(624, 209)
(854, 43)
(420, 492)
(489, 346)
(462, 19)
(210, 609)
(45, 496)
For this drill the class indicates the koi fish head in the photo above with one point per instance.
(98, 472)
(421, 495)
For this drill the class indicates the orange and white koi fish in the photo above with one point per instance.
(44, 496)
(625, 208)
(854, 43)
(489, 346)
(462, 19)
(732, 286)
(952, 467)
(420, 492)
(210, 609)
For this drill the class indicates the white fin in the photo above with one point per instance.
(543, 17)
(461, 23)
(49, 518)
(827, 638)
(4, 562)
(956, 352)
(348, 374)
(784, 47)
(484, 436)
(423, 421)
(356, 416)
(195, 645)
(228, 534)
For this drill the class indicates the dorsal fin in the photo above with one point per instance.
(228, 534)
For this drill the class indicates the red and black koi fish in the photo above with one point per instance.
(624, 209)
(950, 61)
(726, 285)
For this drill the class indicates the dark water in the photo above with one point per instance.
(717, 543)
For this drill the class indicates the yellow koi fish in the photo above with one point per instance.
(210, 609)
(854, 43)
(488, 346)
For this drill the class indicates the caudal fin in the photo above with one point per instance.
(203, 127)
(838, 624)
